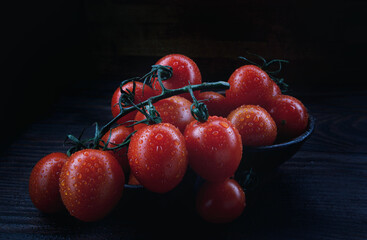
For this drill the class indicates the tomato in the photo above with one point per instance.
(174, 110)
(249, 85)
(215, 102)
(290, 116)
(140, 96)
(44, 183)
(91, 184)
(185, 71)
(214, 148)
(117, 136)
(255, 125)
(158, 157)
(220, 202)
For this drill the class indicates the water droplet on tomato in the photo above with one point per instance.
(224, 124)
(159, 136)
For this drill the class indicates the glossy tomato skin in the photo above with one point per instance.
(290, 116)
(158, 157)
(185, 71)
(220, 202)
(215, 102)
(140, 96)
(214, 148)
(44, 183)
(174, 110)
(255, 125)
(117, 136)
(91, 184)
(249, 85)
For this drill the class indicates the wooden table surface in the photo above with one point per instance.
(320, 193)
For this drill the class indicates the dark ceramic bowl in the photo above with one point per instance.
(262, 159)
(266, 158)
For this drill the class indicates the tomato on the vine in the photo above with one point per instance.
(142, 93)
(44, 183)
(158, 157)
(255, 125)
(185, 71)
(220, 202)
(214, 148)
(215, 102)
(290, 116)
(249, 84)
(91, 184)
(174, 110)
(114, 137)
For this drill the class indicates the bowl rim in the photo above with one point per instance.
(300, 138)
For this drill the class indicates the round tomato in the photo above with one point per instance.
(220, 202)
(185, 71)
(117, 136)
(140, 96)
(215, 102)
(290, 116)
(44, 183)
(249, 85)
(91, 184)
(214, 148)
(158, 157)
(255, 125)
(174, 110)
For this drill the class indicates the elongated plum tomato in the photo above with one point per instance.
(114, 137)
(158, 157)
(91, 184)
(185, 71)
(215, 102)
(174, 110)
(290, 116)
(255, 125)
(44, 183)
(220, 202)
(140, 96)
(214, 148)
(249, 85)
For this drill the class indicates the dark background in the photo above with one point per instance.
(49, 47)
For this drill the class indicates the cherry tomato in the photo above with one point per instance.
(140, 96)
(214, 148)
(91, 184)
(158, 157)
(249, 85)
(117, 136)
(220, 202)
(290, 116)
(174, 110)
(255, 125)
(44, 183)
(215, 102)
(185, 71)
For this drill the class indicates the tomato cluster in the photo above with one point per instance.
(156, 154)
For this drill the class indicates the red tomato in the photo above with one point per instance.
(140, 96)
(220, 202)
(215, 102)
(158, 157)
(174, 110)
(290, 116)
(44, 183)
(214, 148)
(117, 136)
(255, 125)
(185, 71)
(250, 85)
(91, 184)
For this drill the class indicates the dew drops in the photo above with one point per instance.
(159, 136)
(86, 154)
(215, 133)
(224, 124)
